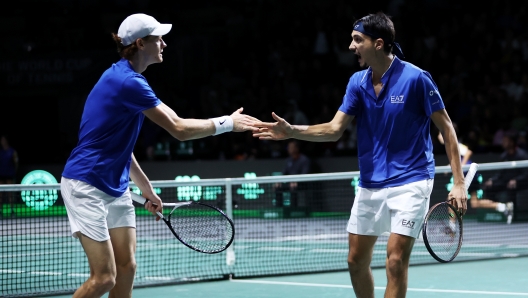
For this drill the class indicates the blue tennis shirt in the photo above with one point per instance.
(394, 141)
(110, 125)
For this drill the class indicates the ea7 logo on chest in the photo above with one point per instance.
(396, 98)
(408, 223)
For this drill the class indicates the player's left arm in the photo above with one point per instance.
(442, 121)
(141, 180)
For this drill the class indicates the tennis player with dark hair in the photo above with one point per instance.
(394, 102)
(95, 182)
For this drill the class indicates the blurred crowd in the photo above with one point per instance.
(292, 58)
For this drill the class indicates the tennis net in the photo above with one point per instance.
(279, 230)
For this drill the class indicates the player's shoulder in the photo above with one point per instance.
(359, 77)
(123, 69)
(134, 80)
(412, 70)
(413, 73)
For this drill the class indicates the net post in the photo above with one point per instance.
(230, 251)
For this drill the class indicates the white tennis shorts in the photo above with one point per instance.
(93, 212)
(400, 209)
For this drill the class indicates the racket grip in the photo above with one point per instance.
(141, 200)
(470, 174)
(138, 198)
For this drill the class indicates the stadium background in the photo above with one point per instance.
(263, 55)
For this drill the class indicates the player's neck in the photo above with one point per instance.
(380, 67)
(138, 64)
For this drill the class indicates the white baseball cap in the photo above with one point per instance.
(140, 25)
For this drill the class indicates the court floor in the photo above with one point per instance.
(506, 277)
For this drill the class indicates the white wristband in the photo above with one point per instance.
(222, 124)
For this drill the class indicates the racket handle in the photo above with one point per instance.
(141, 200)
(138, 198)
(470, 174)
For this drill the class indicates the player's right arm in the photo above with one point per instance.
(189, 129)
(325, 132)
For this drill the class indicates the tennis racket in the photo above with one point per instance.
(201, 227)
(442, 229)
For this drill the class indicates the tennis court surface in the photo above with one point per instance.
(279, 251)
(490, 278)
(281, 254)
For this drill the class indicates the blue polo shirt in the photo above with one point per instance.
(394, 141)
(110, 125)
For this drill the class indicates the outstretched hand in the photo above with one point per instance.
(279, 130)
(242, 122)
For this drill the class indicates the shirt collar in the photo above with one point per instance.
(386, 75)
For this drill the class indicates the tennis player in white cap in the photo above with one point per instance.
(95, 180)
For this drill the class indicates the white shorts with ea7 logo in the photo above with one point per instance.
(400, 209)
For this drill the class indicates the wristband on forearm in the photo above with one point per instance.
(222, 124)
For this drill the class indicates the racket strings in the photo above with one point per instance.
(201, 227)
(444, 231)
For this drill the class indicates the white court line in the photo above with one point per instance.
(510, 255)
(45, 273)
(377, 288)
(170, 278)
(50, 252)
(336, 250)
(281, 248)
(11, 271)
(158, 278)
(312, 237)
(79, 274)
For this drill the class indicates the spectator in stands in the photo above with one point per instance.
(521, 140)
(296, 53)
(297, 163)
(500, 190)
(295, 115)
(8, 161)
(8, 170)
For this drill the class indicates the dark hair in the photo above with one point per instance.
(382, 25)
(8, 140)
(294, 141)
(129, 51)
(512, 136)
